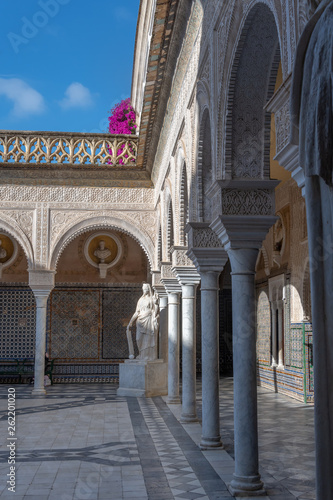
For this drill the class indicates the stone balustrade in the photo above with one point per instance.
(66, 149)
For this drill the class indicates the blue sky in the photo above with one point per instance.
(64, 63)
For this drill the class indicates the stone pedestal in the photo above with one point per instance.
(143, 378)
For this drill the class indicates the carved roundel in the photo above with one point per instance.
(8, 250)
(103, 248)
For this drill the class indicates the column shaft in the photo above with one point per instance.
(274, 334)
(173, 348)
(163, 329)
(41, 313)
(189, 413)
(280, 334)
(210, 360)
(246, 480)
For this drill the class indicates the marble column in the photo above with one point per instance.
(173, 348)
(210, 360)
(163, 328)
(41, 283)
(246, 481)
(41, 313)
(280, 333)
(274, 334)
(189, 412)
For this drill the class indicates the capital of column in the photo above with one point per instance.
(279, 305)
(41, 283)
(169, 279)
(210, 280)
(205, 249)
(242, 237)
(183, 267)
(161, 291)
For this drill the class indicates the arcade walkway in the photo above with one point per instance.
(83, 442)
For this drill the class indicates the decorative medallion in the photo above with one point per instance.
(8, 252)
(103, 250)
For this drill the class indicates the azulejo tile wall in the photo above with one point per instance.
(118, 308)
(89, 324)
(17, 325)
(295, 378)
(75, 325)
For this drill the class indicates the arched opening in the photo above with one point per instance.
(97, 285)
(17, 307)
(252, 83)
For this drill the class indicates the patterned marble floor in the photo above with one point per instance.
(83, 442)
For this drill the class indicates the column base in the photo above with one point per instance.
(210, 443)
(173, 400)
(188, 418)
(248, 486)
(41, 393)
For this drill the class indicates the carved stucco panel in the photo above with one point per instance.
(205, 238)
(23, 220)
(246, 202)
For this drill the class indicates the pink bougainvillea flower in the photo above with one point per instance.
(122, 121)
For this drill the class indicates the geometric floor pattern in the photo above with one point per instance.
(83, 442)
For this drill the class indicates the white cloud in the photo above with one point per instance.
(76, 96)
(26, 100)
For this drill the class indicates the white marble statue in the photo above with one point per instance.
(3, 252)
(102, 253)
(146, 317)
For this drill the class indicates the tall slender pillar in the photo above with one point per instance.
(280, 332)
(163, 328)
(274, 334)
(189, 412)
(41, 283)
(40, 342)
(246, 477)
(209, 258)
(210, 360)
(242, 237)
(173, 348)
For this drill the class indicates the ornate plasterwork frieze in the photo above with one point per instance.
(128, 197)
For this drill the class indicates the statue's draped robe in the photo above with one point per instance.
(146, 328)
(312, 112)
